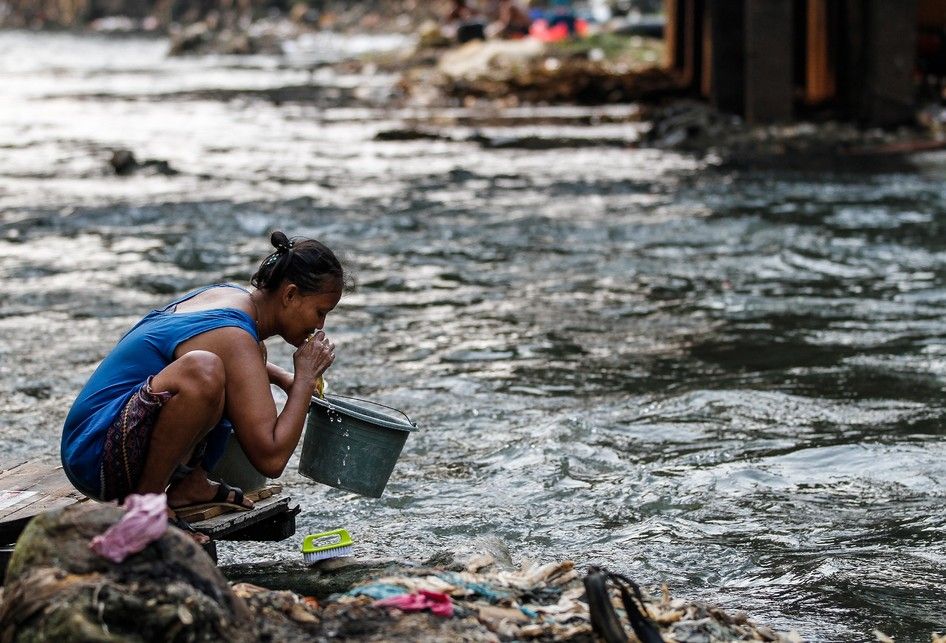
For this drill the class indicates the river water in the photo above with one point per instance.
(724, 380)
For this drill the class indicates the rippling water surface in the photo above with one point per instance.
(728, 381)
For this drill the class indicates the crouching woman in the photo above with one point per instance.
(156, 413)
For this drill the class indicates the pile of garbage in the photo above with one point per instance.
(534, 602)
(77, 573)
(529, 71)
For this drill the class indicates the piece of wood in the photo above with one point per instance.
(214, 511)
(674, 38)
(31, 488)
(278, 526)
(768, 73)
(931, 14)
(706, 52)
(820, 82)
(726, 54)
(691, 18)
(891, 52)
(228, 523)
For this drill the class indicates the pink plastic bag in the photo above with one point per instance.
(145, 520)
(437, 603)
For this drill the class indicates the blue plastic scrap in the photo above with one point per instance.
(491, 594)
(377, 591)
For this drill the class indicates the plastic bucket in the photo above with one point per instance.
(235, 469)
(353, 444)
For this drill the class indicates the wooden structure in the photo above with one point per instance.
(774, 60)
(31, 488)
(28, 489)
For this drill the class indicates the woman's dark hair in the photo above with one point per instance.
(307, 263)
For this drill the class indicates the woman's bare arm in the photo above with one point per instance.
(267, 438)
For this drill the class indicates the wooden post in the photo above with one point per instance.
(674, 37)
(692, 42)
(683, 39)
(705, 77)
(725, 55)
(820, 82)
(852, 61)
(931, 14)
(768, 60)
(890, 56)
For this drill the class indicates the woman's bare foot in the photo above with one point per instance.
(196, 489)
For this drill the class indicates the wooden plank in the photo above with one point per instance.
(11, 529)
(28, 475)
(46, 499)
(277, 527)
(238, 517)
(220, 526)
(30, 488)
(46, 504)
(213, 512)
(14, 498)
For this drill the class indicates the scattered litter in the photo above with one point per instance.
(534, 602)
(145, 520)
(437, 602)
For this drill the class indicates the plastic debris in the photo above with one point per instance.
(145, 520)
(544, 602)
(438, 603)
(378, 591)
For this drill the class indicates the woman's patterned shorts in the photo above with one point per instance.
(127, 440)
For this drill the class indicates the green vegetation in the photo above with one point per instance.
(632, 51)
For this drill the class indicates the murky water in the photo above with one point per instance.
(728, 381)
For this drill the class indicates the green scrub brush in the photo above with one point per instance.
(330, 544)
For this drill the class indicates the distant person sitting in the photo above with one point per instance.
(512, 20)
(562, 13)
(460, 11)
(466, 21)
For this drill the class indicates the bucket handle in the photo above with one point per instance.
(358, 399)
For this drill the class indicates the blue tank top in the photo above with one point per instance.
(144, 351)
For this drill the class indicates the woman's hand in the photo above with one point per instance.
(313, 358)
